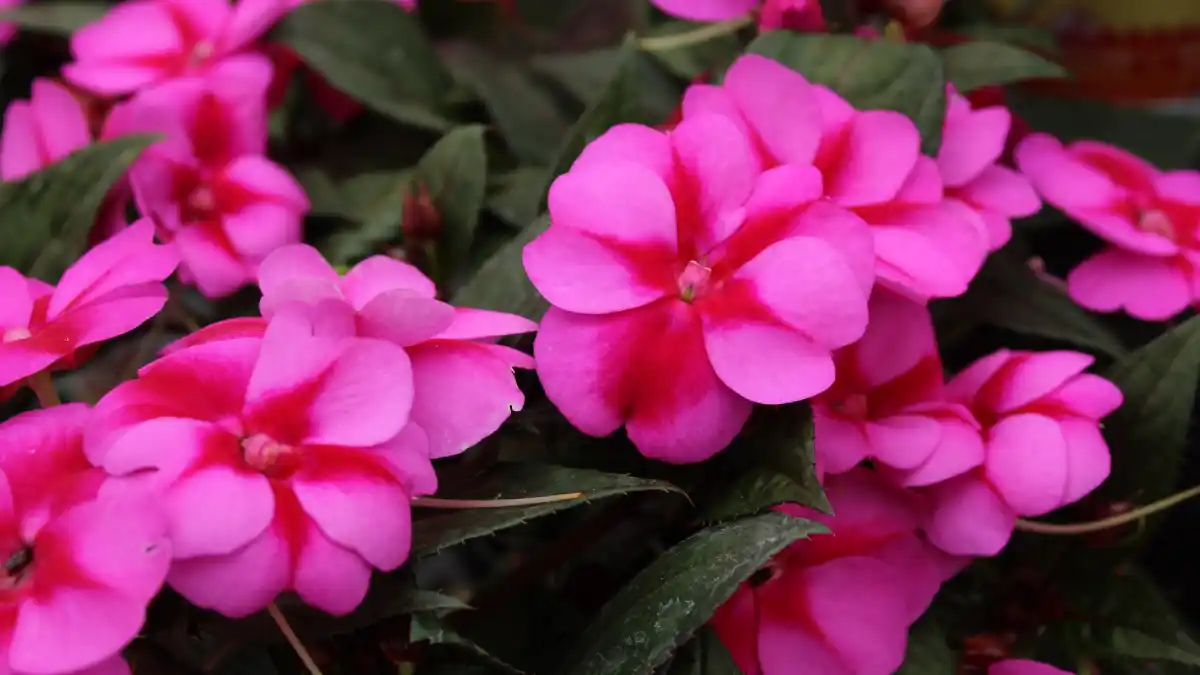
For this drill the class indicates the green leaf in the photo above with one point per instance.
(373, 201)
(500, 284)
(1008, 294)
(429, 629)
(694, 59)
(665, 603)
(454, 172)
(1148, 433)
(870, 74)
(928, 651)
(375, 52)
(981, 63)
(515, 481)
(703, 655)
(55, 18)
(525, 113)
(520, 195)
(46, 216)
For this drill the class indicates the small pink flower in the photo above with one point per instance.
(973, 140)
(207, 185)
(703, 289)
(802, 16)
(1043, 449)
(8, 30)
(1151, 266)
(1023, 667)
(81, 563)
(926, 246)
(888, 403)
(463, 384)
(840, 603)
(111, 290)
(146, 42)
(283, 462)
(797, 15)
(39, 132)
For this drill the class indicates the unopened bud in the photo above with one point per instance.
(422, 222)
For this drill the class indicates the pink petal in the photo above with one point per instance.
(711, 99)
(867, 508)
(258, 229)
(959, 450)
(1180, 186)
(474, 324)
(966, 385)
(705, 10)
(899, 336)
(1033, 375)
(999, 229)
(783, 644)
(971, 143)
(582, 200)
(737, 627)
(320, 561)
(240, 83)
(1002, 190)
(267, 180)
(1149, 288)
(109, 268)
(295, 273)
(408, 456)
(779, 105)
(764, 362)
(841, 444)
(968, 518)
(776, 210)
(846, 232)
(19, 151)
(462, 394)
(73, 628)
(204, 526)
(1087, 395)
(403, 318)
(1027, 463)
(378, 274)
(113, 666)
(880, 148)
(238, 584)
(250, 19)
(118, 53)
(861, 608)
(920, 564)
(717, 172)
(61, 124)
(1064, 180)
(930, 251)
(903, 441)
(17, 304)
(1088, 459)
(217, 270)
(635, 143)
(364, 513)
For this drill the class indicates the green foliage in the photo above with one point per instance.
(55, 18)
(46, 216)
(454, 174)
(928, 650)
(981, 63)
(703, 655)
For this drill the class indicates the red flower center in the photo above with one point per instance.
(270, 457)
(1154, 221)
(694, 280)
(16, 568)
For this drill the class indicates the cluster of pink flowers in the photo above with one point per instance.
(778, 245)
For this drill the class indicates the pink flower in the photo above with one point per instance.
(209, 188)
(463, 384)
(973, 140)
(798, 15)
(703, 289)
(8, 30)
(111, 290)
(283, 462)
(1023, 667)
(1149, 219)
(926, 246)
(81, 562)
(146, 42)
(1043, 449)
(840, 603)
(42, 130)
(888, 403)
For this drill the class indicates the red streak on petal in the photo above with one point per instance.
(211, 131)
(291, 523)
(331, 463)
(284, 415)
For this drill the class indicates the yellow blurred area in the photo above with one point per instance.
(1116, 14)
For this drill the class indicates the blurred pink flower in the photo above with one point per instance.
(1149, 218)
(111, 290)
(703, 289)
(286, 64)
(283, 462)
(145, 42)
(925, 246)
(798, 15)
(49, 126)
(1023, 667)
(889, 405)
(973, 140)
(463, 384)
(1043, 449)
(207, 185)
(840, 603)
(8, 30)
(81, 562)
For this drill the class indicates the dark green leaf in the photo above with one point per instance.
(501, 285)
(429, 629)
(585, 75)
(703, 655)
(519, 196)
(928, 651)
(46, 216)
(668, 601)
(871, 74)
(374, 51)
(1033, 37)
(1148, 433)
(516, 481)
(524, 111)
(981, 63)
(374, 202)
(56, 18)
(694, 59)
(1008, 294)
(454, 172)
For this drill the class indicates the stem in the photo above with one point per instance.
(43, 386)
(702, 34)
(297, 645)
(1107, 523)
(435, 503)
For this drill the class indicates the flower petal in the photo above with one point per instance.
(969, 518)
(238, 584)
(1149, 288)
(779, 105)
(1027, 463)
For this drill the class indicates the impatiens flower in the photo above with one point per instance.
(1043, 449)
(704, 289)
(111, 290)
(287, 64)
(839, 603)
(146, 42)
(797, 15)
(973, 140)
(38, 132)
(926, 246)
(207, 185)
(81, 562)
(1023, 667)
(1149, 219)
(463, 384)
(889, 405)
(283, 462)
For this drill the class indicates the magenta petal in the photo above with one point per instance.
(73, 629)
(970, 143)
(783, 644)
(1088, 395)
(779, 105)
(1027, 463)
(1149, 288)
(720, 167)
(899, 337)
(108, 51)
(203, 526)
(959, 450)
(841, 444)
(968, 518)
(903, 441)
(328, 576)
(403, 318)
(62, 124)
(635, 143)
(644, 216)
(705, 10)
(249, 20)
(861, 607)
(17, 305)
(766, 362)
(846, 232)
(238, 584)
(1034, 375)
(19, 152)
(364, 398)
(474, 324)
(1002, 190)
(881, 147)
(1088, 459)
(379, 274)
(366, 514)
